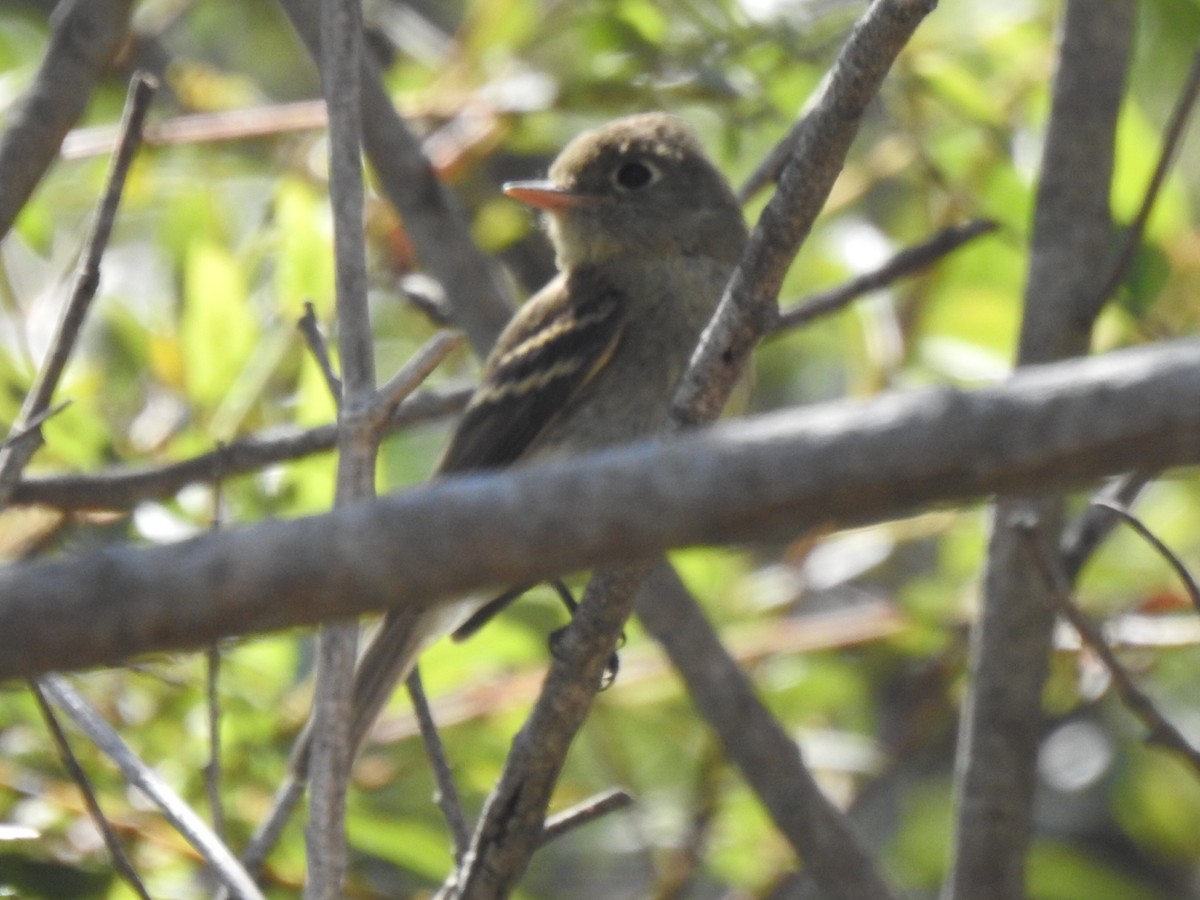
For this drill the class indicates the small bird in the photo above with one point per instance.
(646, 232)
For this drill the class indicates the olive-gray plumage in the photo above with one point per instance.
(646, 232)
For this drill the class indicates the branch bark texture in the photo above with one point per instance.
(767, 756)
(87, 34)
(124, 487)
(764, 477)
(1071, 246)
(749, 306)
(505, 838)
(436, 226)
(16, 454)
(337, 645)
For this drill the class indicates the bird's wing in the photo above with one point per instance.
(541, 361)
(549, 352)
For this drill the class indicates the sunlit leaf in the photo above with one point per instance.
(218, 330)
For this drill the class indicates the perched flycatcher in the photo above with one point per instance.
(646, 232)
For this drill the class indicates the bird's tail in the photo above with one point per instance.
(389, 658)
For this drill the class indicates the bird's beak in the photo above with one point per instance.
(547, 195)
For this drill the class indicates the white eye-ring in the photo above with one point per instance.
(635, 175)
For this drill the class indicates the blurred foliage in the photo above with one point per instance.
(193, 342)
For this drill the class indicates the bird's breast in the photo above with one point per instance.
(666, 305)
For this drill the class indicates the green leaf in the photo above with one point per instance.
(217, 331)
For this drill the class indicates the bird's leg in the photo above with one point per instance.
(569, 601)
(494, 607)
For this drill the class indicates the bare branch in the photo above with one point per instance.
(126, 486)
(1176, 128)
(410, 377)
(311, 329)
(1001, 724)
(29, 429)
(1093, 525)
(1163, 550)
(212, 685)
(767, 756)
(513, 821)
(14, 457)
(437, 228)
(749, 305)
(758, 478)
(507, 834)
(332, 751)
(583, 813)
(120, 859)
(369, 425)
(212, 768)
(1090, 528)
(1162, 732)
(224, 865)
(206, 127)
(907, 262)
(25, 435)
(269, 831)
(87, 34)
(447, 792)
(768, 171)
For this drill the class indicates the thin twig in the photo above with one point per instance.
(311, 329)
(411, 376)
(25, 436)
(1176, 126)
(908, 261)
(124, 487)
(768, 171)
(446, 793)
(224, 865)
(270, 829)
(1164, 551)
(212, 769)
(207, 128)
(1095, 522)
(19, 434)
(120, 860)
(14, 458)
(381, 407)
(1162, 732)
(584, 813)
(364, 429)
(474, 287)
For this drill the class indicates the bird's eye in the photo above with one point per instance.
(635, 175)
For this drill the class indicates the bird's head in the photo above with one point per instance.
(637, 187)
